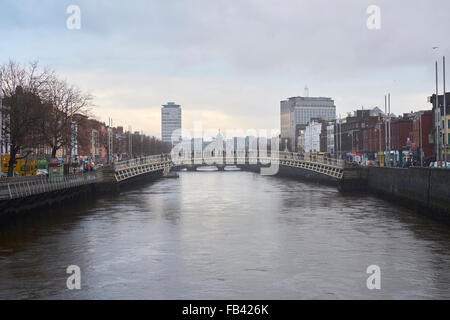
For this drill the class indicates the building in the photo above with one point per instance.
(330, 138)
(91, 138)
(441, 125)
(170, 121)
(367, 134)
(300, 139)
(74, 139)
(312, 136)
(323, 137)
(420, 136)
(297, 112)
(355, 131)
(400, 132)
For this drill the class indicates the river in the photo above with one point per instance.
(227, 235)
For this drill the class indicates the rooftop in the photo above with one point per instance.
(171, 105)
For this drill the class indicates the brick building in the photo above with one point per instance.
(355, 133)
(422, 128)
(400, 132)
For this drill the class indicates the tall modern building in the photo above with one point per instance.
(170, 121)
(297, 112)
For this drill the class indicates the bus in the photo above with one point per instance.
(24, 167)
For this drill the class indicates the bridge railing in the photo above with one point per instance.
(120, 165)
(28, 187)
(253, 158)
(311, 158)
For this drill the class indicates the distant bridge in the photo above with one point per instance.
(128, 169)
(325, 166)
(32, 191)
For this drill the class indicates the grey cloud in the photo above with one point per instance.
(268, 44)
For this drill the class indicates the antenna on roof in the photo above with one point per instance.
(306, 91)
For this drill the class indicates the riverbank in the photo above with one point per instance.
(426, 190)
(20, 208)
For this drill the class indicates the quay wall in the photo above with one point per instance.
(294, 172)
(425, 189)
(17, 209)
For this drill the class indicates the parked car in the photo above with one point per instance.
(5, 174)
(439, 164)
(371, 163)
(42, 172)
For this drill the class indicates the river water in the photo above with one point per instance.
(227, 235)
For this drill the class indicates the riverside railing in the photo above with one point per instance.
(28, 186)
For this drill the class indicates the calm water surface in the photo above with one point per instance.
(225, 235)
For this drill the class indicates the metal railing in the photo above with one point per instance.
(311, 158)
(19, 188)
(125, 164)
(12, 188)
(253, 158)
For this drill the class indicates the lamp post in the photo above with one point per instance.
(340, 137)
(420, 140)
(385, 130)
(390, 133)
(445, 126)
(437, 114)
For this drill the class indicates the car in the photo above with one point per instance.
(5, 174)
(42, 172)
(439, 164)
(371, 163)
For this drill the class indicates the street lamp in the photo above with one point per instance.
(437, 112)
(445, 127)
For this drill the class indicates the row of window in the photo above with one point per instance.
(443, 138)
(304, 116)
(443, 124)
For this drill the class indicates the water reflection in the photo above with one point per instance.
(228, 235)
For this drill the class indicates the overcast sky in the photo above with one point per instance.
(230, 62)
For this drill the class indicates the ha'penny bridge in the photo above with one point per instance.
(420, 187)
(322, 168)
(36, 189)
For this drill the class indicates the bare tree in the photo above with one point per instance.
(22, 87)
(62, 101)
